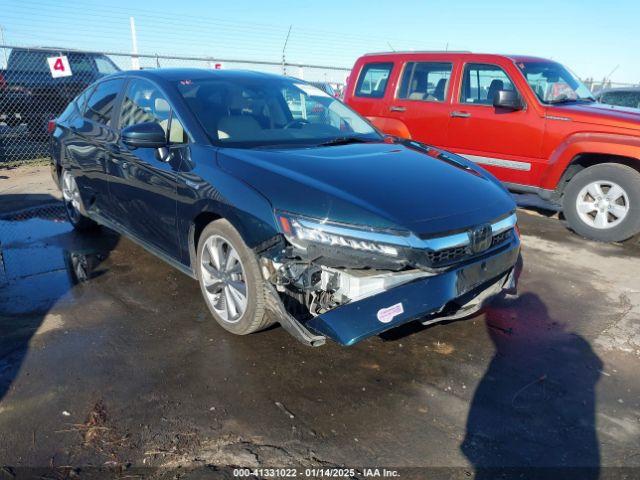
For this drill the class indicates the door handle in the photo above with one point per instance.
(397, 109)
(457, 114)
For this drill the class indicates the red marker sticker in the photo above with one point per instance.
(385, 315)
(59, 66)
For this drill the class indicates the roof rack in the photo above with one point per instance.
(416, 51)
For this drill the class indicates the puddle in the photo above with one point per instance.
(42, 258)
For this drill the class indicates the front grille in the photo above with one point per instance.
(500, 238)
(448, 256)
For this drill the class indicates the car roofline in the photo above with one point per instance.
(178, 73)
(511, 57)
(417, 52)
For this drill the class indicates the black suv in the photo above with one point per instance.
(30, 95)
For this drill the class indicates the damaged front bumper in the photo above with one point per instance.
(456, 293)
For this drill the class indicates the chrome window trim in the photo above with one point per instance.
(412, 241)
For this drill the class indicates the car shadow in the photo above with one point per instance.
(533, 413)
(41, 260)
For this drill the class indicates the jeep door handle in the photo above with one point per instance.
(397, 109)
(457, 114)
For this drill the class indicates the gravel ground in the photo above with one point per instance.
(109, 362)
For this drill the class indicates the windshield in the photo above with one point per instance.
(249, 112)
(554, 83)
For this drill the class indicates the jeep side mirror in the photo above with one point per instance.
(508, 99)
(144, 135)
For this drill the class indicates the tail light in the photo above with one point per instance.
(51, 126)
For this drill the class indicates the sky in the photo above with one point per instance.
(594, 38)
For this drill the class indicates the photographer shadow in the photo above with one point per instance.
(533, 413)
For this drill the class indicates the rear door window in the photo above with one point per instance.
(426, 81)
(81, 100)
(481, 82)
(100, 105)
(373, 80)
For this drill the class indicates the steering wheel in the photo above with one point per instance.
(298, 121)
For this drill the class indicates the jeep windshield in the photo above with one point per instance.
(252, 112)
(554, 84)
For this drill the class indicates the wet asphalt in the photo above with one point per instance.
(110, 360)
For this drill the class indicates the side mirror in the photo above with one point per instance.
(144, 135)
(508, 99)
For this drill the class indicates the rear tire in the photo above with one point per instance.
(73, 203)
(231, 280)
(602, 202)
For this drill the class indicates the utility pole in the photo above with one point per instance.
(4, 50)
(284, 50)
(135, 61)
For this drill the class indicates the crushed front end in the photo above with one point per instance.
(349, 283)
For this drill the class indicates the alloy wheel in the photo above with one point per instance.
(223, 277)
(71, 196)
(602, 204)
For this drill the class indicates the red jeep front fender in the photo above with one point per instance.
(587, 143)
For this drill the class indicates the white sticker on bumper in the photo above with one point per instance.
(385, 315)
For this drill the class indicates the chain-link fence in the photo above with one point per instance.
(596, 85)
(36, 84)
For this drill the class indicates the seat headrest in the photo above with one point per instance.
(440, 86)
(161, 106)
(494, 87)
(238, 127)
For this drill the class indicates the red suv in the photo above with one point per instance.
(528, 120)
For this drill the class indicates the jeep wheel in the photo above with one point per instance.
(230, 280)
(603, 202)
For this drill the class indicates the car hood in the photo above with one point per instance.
(377, 185)
(599, 114)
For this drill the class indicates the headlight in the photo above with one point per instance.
(302, 231)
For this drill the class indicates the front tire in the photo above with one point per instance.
(73, 203)
(230, 280)
(602, 202)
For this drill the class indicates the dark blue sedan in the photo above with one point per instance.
(284, 204)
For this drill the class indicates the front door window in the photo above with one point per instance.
(482, 82)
